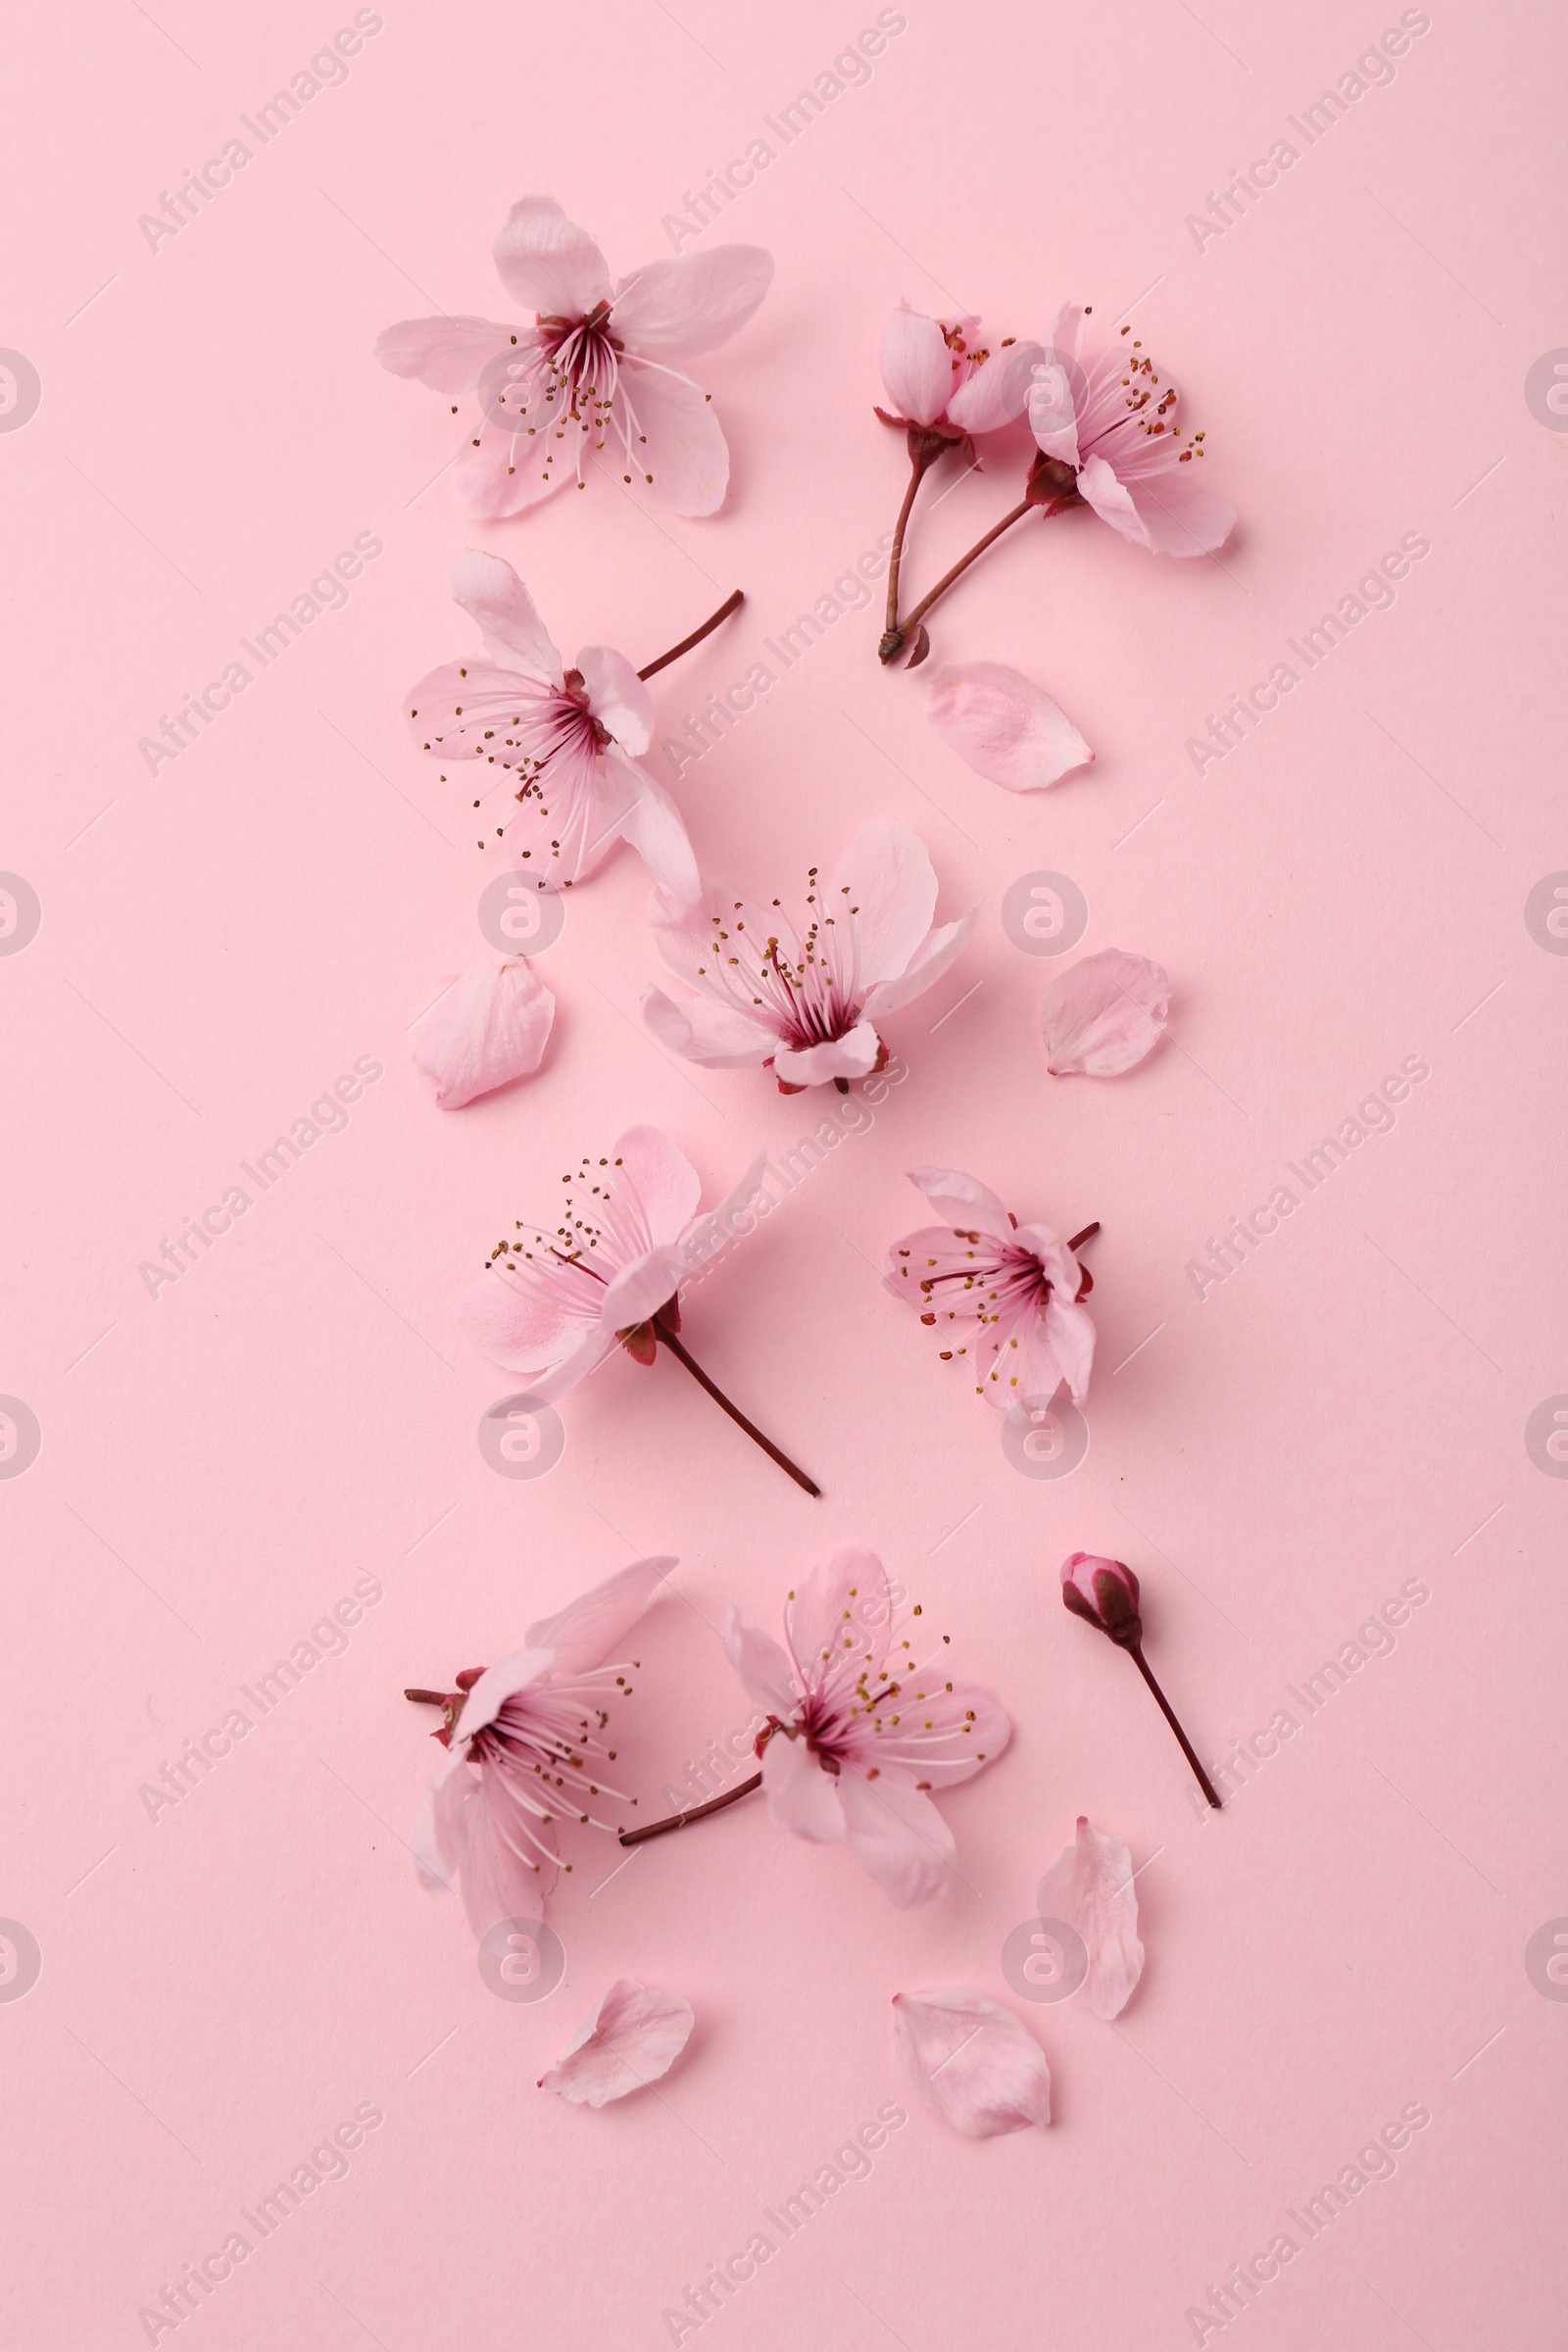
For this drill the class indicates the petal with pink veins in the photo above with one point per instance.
(853, 1055)
(488, 1027)
(843, 1603)
(1104, 1014)
(675, 310)
(591, 1631)
(894, 890)
(801, 1796)
(1004, 726)
(681, 446)
(916, 366)
(970, 2060)
(498, 473)
(632, 2039)
(513, 1325)
(1090, 1889)
(549, 263)
(719, 1037)
(897, 1834)
(661, 1182)
(491, 593)
(1170, 512)
(997, 391)
(617, 697)
(446, 353)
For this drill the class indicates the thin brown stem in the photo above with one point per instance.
(730, 605)
(920, 462)
(912, 621)
(426, 1698)
(682, 1355)
(678, 1821)
(1088, 1234)
(1204, 1780)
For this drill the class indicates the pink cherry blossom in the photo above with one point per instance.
(862, 1732)
(971, 2061)
(487, 1027)
(1016, 1290)
(1004, 726)
(565, 740)
(1106, 432)
(944, 379)
(1104, 1014)
(593, 377)
(524, 1741)
(805, 998)
(1089, 1887)
(631, 2039)
(551, 1305)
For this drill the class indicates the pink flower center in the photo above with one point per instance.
(804, 984)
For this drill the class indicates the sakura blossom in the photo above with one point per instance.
(1089, 1887)
(595, 376)
(971, 2061)
(526, 1747)
(1107, 436)
(554, 1302)
(1010, 1296)
(803, 995)
(566, 737)
(1104, 1014)
(862, 1732)
(1004, 726)
(631, 2039)
(484, 1029)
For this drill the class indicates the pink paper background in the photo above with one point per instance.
(1346, 1413)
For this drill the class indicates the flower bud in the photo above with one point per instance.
(1106, 1591)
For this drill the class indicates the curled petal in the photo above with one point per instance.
(970, 2060)
(801, 1795)
(960, 1199)
(617, 697)
(939, 950)
(853, 1055)
(761, 1665)
(591, 1631)
(1089, 1886)
(1169, 512)
(916, 366)
(487, 587)
(488, 1026)
(632, 2039)
(1105, 1015)
(893, 888)
(548, 263)
(997, 391)
(1004, 726)
(653, 825)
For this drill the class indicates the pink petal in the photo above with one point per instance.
(548, 263)
(1059, 384)
(851, 1056)
(471, 1821)
(1004, 726)
(842, 1604)
(1170, 512)
(633, 2037)
(499, 473)
(706, 1236)
(1089, 1887)
(761, 1665)
(674, 310)
(446, 353)
(487, 587)
(916, 366)
(897, 1834)
(1104, 1014)
(591, 1631)
(944, 1735)
(649, 1171)
(892, 885)
(514, 1326)
(684, 450)
(617, 697)
(715, 1036)
(970, 2060)
(938, 951)
(997, 391)
(801, 1796)
(1065, 1351)
(489, 1026)
(637, 1293)
(654, 827)
(959, 1200)
(519, 1670)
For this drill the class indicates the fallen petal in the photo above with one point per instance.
(1105, 1015)
(488, 1026)
(971, 2060)
(633, 2037)
(1004, 726)
(1090, 1889)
